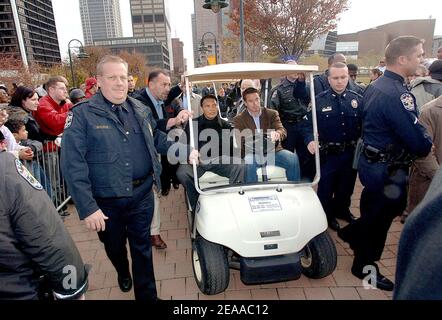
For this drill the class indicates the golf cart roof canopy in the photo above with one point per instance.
(246, 70)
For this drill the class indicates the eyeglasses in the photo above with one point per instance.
(115, 78)
(61, 88)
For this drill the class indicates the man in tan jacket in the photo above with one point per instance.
(255, 121)
(424, 169)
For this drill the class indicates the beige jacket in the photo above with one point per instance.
(424, 169)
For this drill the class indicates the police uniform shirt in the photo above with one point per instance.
(390, 117)
(139, 154)
(338, 117)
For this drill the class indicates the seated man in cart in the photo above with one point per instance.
(261, 131)
(215, 145)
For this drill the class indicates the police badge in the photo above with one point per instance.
(22, 171)
(354, 103)
(69, 119)
(408, 101)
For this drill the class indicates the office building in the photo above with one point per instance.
(100, 19)
(28, 31)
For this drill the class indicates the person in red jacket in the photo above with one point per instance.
(91, 87)
(53, 109)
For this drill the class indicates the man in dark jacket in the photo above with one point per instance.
(215, 160)
(158, 96)
(34, 244)
(110, 162)
(419, 263)
(291, 98)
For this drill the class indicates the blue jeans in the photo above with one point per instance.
(283, 158)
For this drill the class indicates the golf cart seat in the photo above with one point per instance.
(210, 180)
(274, 173)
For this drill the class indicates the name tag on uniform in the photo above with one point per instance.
(327, 109)
(102, 127)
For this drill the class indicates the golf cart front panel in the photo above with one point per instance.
(261, 223)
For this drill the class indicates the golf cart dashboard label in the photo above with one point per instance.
(262, 204)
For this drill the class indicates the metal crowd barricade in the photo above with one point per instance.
(45, 167)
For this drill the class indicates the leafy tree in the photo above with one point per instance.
(12, 70)
(286, 27)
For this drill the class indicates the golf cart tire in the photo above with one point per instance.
(323, 257)
(214, 269)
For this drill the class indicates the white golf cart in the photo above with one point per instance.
(271, 231)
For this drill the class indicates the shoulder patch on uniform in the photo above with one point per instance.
(408, 101)
(69, 119)
(79, 104)
(25, 174)
(354, 104)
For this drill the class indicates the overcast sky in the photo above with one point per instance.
(363, 14)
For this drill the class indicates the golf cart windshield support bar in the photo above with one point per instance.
(315, 131)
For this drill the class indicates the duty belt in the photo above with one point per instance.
(293, 120)
(337, 147)
(373, 154)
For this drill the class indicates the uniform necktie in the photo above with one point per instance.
(121, 115)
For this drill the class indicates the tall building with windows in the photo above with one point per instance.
(178, 56)
(100, 19)
(150, 19)
(28, 32)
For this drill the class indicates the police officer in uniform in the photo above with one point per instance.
(291, 98)
(392, 138)
(339, 126)
(35, 247)
(110, 162)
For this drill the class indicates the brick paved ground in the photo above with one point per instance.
(173, 268)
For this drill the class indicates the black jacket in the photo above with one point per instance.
(33, 239)
(223, 130)
(95, 155)
(142, 96)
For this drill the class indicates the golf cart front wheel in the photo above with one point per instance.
(210, 266)
(320, 257)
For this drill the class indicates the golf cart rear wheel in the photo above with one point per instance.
(320, 257)
(210, 266)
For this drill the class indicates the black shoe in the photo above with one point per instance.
(165, 192)
(125, 283)
(333, 224)
(382, 282)
(176, 185)
(348, 216)
(341, 235)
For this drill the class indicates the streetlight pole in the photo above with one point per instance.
(216, 48)
(81, 55)
(241, 23)
(217, 5)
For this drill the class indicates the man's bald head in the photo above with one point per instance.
(250, 83)
(335, 58)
